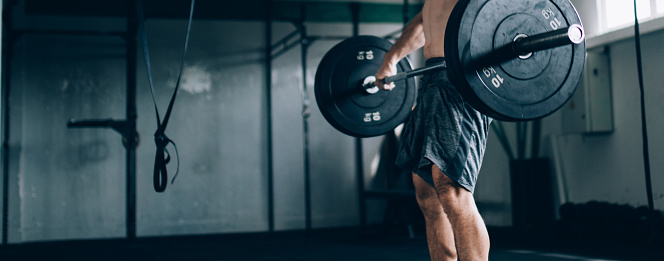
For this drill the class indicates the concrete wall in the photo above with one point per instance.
(602, 167)
(70, 183)
(218, 124)
(612, 165)
(65, 183)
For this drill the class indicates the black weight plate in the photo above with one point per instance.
(343, 102)
(518, 89)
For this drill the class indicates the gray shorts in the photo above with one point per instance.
(443, 130)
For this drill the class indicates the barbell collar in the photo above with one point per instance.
(573, 34)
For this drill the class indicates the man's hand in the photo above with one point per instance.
(387, 69)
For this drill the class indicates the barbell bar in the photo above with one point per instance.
(522, 47)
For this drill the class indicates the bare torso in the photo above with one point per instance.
(434, 18)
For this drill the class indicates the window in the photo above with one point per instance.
(615, 15)
(620, 13)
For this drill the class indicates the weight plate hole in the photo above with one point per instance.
(369, 81)
(523, 56)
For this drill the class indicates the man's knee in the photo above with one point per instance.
(429, 204)
(449, 192)
(426, 198)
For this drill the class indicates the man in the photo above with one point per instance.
(442, 143)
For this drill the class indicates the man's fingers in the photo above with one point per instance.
(387, 87)
(384, 86)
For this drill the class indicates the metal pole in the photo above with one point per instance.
(406, 15)
(304, 43)
(7, 46)
(407, 74)
(131, 46)
(268, 113)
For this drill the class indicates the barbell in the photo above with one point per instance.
(512, 60)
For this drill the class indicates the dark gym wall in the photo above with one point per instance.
(66, 183)
(70, 183)
(287, 139)
(217, 123)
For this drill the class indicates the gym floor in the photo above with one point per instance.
(328, 244)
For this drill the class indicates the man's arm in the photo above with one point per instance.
(411, 39)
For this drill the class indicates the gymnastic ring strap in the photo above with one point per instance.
(162, 157)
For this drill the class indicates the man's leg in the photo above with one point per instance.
(439, 230)
(470, 234)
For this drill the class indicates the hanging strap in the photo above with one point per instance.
(644, 127)
(162, 157)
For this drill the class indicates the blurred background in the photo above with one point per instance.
(238, 123)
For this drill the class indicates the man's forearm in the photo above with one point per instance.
(411, 39)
